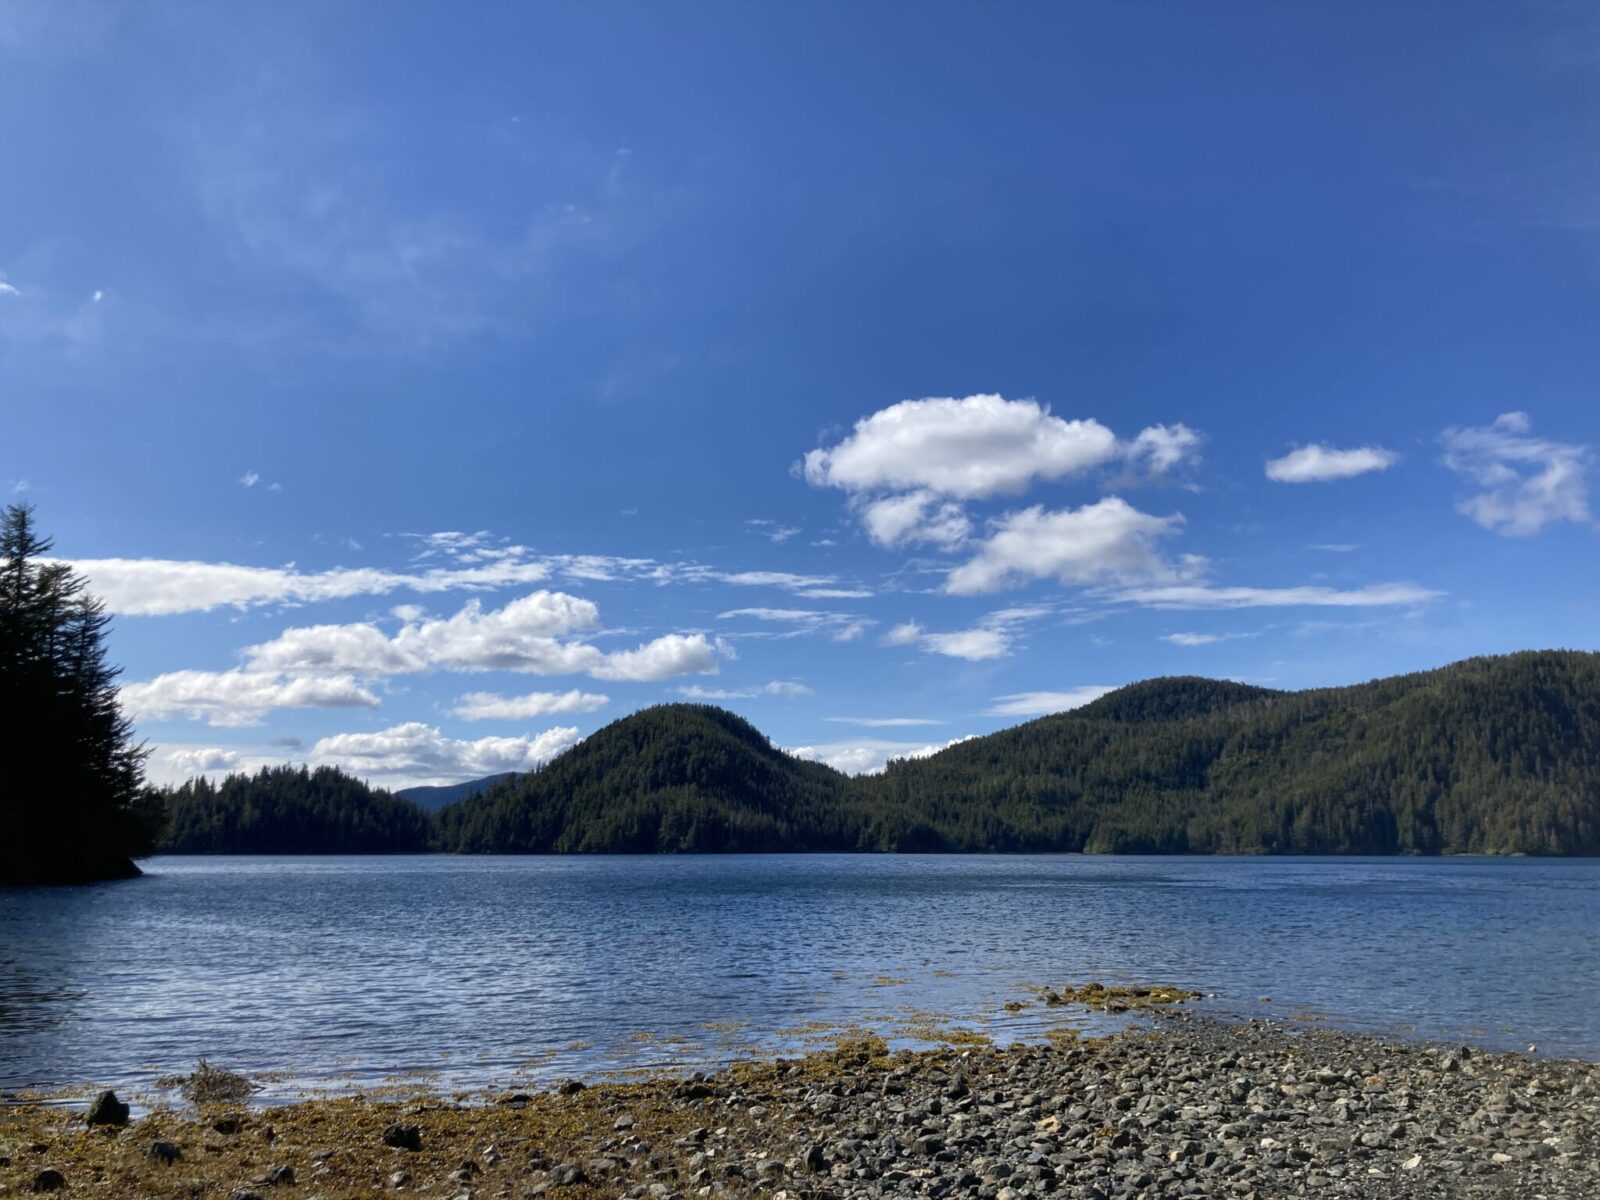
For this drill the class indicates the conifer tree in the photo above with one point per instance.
(72, 799)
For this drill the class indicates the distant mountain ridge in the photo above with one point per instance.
(1490, 755)
(436, 797)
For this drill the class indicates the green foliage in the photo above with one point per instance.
(289, 810)
(670, 779)
(1487, 756)
(1491, 755)
(72, 805)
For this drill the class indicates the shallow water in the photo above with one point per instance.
(342, 972)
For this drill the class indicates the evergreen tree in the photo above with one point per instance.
(72, 800)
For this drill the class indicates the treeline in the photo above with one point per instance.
(73, 807)
(1491, 755)
(292, 810)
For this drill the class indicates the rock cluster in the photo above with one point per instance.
(1188, 1107)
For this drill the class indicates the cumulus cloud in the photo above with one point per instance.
(918, 516)
(777, 687)
(1038, 704)
(202, 759)
(523, 636)
(1161, 449)
(415, 753)
(249, 479)
(1321, 464)
(1527, 482)
(911, 468)
(1201, 596)
(663, 658)
(7, 289)
(489, 706)
(235, 698)
(1109, 541)
(970, 448)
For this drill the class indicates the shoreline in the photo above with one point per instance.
(1187, 1105)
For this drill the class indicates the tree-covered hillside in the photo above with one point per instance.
(1491, 755)
(289, 810)
(675, 778)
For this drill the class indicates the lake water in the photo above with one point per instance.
(340, 972)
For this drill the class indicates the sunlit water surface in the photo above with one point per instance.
(340, 973)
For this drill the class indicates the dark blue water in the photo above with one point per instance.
(493, 971)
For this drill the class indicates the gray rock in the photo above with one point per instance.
(106, 1110)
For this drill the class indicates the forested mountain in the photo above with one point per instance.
(292, 810)
(435, 798)
(1491, 755)
(678, 777)
(72, 801)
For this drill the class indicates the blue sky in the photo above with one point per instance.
(425, 388)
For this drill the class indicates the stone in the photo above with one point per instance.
(165, 1153)
(106, 1110)
(403, 1137)
(49, 1180)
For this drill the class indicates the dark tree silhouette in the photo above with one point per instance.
(72, 801)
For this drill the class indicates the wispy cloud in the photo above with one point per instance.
(1527, 482)
(1038, 704)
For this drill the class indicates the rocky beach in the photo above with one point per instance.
(1180, 1105)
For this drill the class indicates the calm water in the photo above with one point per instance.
(341, 972)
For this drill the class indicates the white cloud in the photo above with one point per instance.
(200, 760)
(969, 448)
(414, 753)
(1109, 541)
(869, 756)
(1162, 448)
(249, 479)
(918, 516)
(1202, 639)
(842, 627)
(907, 633)
(234, 698)
(7, 289)
(1200, 596)
(910, 468)
(663, 658)
(974, 645)
(523, 636)
(777, 687)
(488, 706)
(1038, 704)
(1321, 464)
(1529, 482)
(772, 530)
(156, 587)
(835, 593)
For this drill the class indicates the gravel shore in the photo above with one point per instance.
(1187, 1106)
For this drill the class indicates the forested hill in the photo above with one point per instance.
(291, 810)
(1491, 755)
(674, 778)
